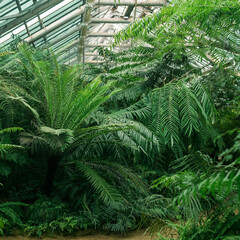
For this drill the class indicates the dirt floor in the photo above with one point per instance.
(138, 235)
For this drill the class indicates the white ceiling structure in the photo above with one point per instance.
(70, 28)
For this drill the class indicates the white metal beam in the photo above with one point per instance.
(107, 45)
(28, 13)
(84, 27)
(55, 25)
(79, 26)
(20, 10)
(80, 11)
(94, 62)
(73, 43)
(67, 56)
(64, 35)
(101, 34)
(10, 16)
(155, 3)
(111, 20)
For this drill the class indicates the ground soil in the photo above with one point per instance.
(138, 235)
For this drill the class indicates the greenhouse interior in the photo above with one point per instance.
(120, 119)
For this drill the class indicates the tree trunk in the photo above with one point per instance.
(52, 164)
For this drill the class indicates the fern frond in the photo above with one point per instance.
(107, 192)
(11, 130)
(119, 171)
(193, 162)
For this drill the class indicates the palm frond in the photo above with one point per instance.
(11, 130)
(196, 162)
(107, 192)
(120, 172)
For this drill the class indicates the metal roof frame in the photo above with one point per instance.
(70, 26)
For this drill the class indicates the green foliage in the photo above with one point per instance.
(60, 105)
(176, 42)
(10, 215)
(63, 225)
(45, 210)
(222, 222)
(197, 20)
(180, 111)
(52, 215)
(107, 192)
(7, 149)
(60, 114)
(219, 185)
(181, 114)
(157, 109)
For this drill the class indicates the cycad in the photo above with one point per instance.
(60, 105)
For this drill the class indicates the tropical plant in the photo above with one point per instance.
(175, 42)
(218, 185)
(9, 212)
(181, 114)
(186, 41)
(10, 216)
(176, 50)
(60, 105)
(6, 147)
(155, 109)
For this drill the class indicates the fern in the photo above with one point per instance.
(107, 192)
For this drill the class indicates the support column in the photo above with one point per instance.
(20, 10)
(84, 27)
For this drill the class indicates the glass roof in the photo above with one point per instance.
(20, 19)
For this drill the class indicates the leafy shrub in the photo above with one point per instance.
(221, 185)
(46, 210)
(10, 216)
(66, 224)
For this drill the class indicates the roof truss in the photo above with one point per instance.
(65, 32)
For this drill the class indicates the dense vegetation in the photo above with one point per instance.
(149, 139)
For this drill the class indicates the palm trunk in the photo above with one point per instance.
(52, 164)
